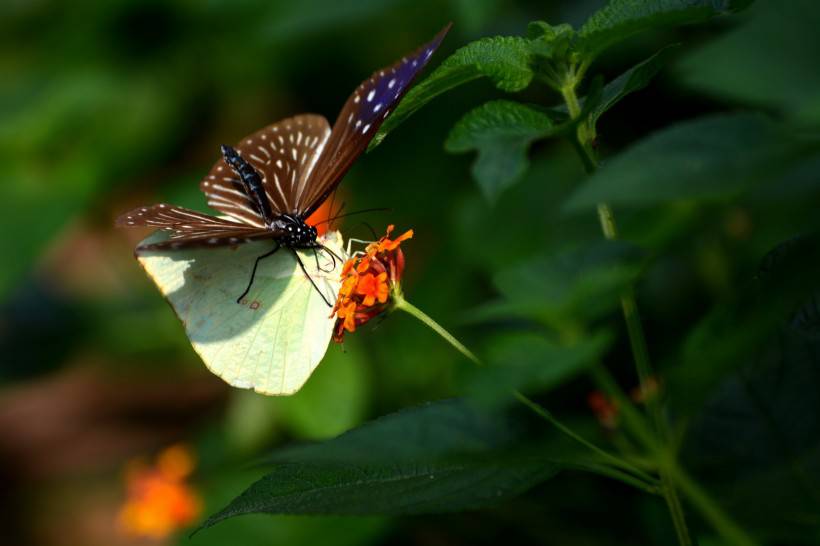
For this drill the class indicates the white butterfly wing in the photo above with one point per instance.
(275, 338)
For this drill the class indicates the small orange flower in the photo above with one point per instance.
(605, 410)
(370, 281)
(348, 313)
(651, 389)
(159, 501)
(386, 244)
(373, 287)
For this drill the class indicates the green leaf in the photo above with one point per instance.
(264, 530)
(566, 286)
(505, 60)
(550, 42)
(420, 487)
(731, 335)
(620, 19)
(759, 434)
(708, 157)
(435, 429)
(441, 457)
(634, 79)
(771, 60)
(502, 132)
(530, 362)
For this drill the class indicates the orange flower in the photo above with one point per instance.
(386, 244)
(159, 501)
(605, 410)
(373, 287)
(370, 281)
(348, 313)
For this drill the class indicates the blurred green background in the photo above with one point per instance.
(109, 105)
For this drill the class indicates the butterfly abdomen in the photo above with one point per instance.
(251, 180)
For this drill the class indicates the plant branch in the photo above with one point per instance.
(407, 307)
(708, 508)
(583, 137)
(609, 457)
(637, 478)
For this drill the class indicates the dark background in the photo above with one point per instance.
(109, 105)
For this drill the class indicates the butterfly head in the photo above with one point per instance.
(297, 234)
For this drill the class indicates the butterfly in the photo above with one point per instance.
(269, 184)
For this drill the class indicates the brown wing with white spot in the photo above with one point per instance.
(191, 228)
(360, 119)
(284, 154)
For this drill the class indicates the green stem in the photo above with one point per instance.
(708, 508)
(609, 457)
(637, 339)
(635, 421)
(406, 306)
(615, 474)
(639, 478)
(670, 494)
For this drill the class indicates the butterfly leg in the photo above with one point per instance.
(253, 272)
(333, 255)
(299, 260)
(333, 258)
(319, 267)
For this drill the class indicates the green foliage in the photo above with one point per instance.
(258, 530)
(442, 457)
(759, 431)
(736, 333)
(531, 363)
(42, 140)
(571, 285)
(419, 487)
(710, 157)
(620, 19)
(705, 174)
(504, 60)
(550, 42)
(332, 402)
(634, 79)
(768, 61)
(502, 132)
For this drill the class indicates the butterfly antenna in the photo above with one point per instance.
(302, 265)
(338, 213)
(377, 209)
(373, 231)
(253, 272)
